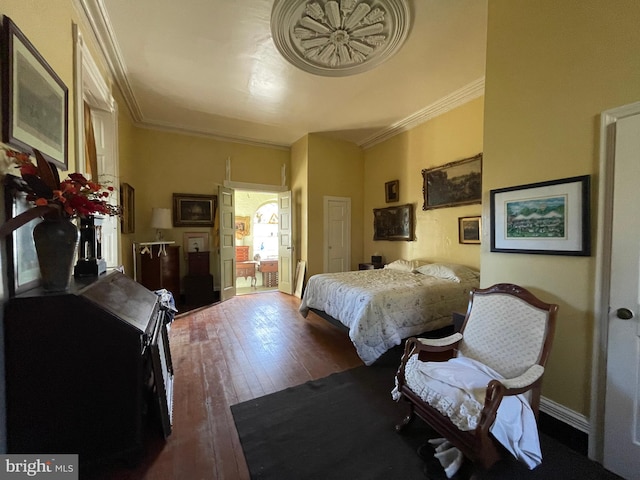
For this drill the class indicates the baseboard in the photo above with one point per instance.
(564, 424)
(564, 414)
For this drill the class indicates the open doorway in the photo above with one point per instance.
(256, 217)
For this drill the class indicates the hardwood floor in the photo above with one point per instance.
(231, 352)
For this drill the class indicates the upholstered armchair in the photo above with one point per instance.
(483, 392)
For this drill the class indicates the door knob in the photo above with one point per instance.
(624, 314)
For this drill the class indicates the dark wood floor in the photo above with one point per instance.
(241, 349)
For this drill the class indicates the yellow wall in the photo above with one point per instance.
(48, 26)
(552, 67)
(452, 136)
(300, 192)
(165, 163)
(335, 169)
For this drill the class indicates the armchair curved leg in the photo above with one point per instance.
(406, 420)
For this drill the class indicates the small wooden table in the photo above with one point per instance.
(247, 270)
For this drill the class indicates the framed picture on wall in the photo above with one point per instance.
(191, 210)
(35, 101)
(453, 184)
(551, 218)
(128, 219)
(195, 242)
(393, 223)
(392, 191)
(23, 269)
(469, 230)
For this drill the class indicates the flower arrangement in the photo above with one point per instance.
(73, 197)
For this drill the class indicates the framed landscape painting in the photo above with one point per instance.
(453, 184)
(551, 218)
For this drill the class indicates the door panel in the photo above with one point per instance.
(337, 234)
(285, 243)
(622, 402)
(227, 233)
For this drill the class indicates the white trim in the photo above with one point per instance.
(455, 99)
(564, 414)
(98, 18)
(258, 187)
(608, 119)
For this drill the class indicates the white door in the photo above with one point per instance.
(227, 242)
(285, 243)
(337, 240)
(622, 404)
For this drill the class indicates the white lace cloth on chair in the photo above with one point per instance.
(456, 388)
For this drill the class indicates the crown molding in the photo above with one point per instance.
(211, 135)
(97, 17)
(455, 99)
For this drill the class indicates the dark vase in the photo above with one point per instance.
(56, 241)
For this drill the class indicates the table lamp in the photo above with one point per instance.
(160, 220)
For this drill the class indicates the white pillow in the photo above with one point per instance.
(449, 271)
(403, 265)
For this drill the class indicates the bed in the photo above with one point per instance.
(382, 307)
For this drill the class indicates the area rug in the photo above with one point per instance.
(342, 427)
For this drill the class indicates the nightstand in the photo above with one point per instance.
(370, 266)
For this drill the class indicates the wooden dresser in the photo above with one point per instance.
(269, 269)
(158, 266)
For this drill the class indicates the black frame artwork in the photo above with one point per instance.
(35, 101)
(550, 218)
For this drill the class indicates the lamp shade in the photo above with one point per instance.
(161, 218)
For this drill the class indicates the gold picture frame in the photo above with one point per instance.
(127, 199)
(469, 230)
(243, 227)
(191, 210)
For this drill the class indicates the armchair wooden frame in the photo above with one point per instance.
(477, 445)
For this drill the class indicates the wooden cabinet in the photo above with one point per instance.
(158, 266)
(198, 284)
(80, 374)
(269, 269)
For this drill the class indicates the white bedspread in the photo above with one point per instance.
(457, 388)
(383, 307)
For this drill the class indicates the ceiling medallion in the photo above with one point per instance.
(339, 38)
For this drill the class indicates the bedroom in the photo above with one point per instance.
(549, 74)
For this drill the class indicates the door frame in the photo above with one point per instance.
(602, 286)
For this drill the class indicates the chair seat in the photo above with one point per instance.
(457, 388)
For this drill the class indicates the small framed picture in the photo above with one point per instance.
(195, 242)
(469, 229)
(193, 210)
(392, 191)
(128, 219)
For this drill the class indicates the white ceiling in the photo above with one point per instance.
(210, 67)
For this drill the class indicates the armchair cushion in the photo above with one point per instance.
(456, 388)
